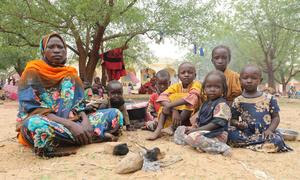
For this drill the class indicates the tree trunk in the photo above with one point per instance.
(104, 77)
(94, 54)
(284, 86)
(283, 82)
(270, 71)
(91, 67)
(82, 68)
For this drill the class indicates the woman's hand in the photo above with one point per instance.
(79, 131)
(85, 123)
(81, 135)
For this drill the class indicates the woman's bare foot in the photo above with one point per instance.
(114, 138)
(168, 130)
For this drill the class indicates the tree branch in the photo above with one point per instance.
(286, 28)
(128, 7)
(28, 6)
(87, 39)
(73, 49)
(125, 34)
(20, 36)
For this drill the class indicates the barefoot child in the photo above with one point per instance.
(210, 132)
(259, 114)
(161, 84)
(179, 101)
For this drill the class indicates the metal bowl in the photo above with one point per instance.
(288, 135)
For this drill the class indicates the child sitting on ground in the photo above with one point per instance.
(209, 134)
(259, 114)
(97, 87)
(115, 100)
(179, 101)
(161, 84)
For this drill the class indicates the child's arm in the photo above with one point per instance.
(126, 118)
(221, 116)
(192, 99)
(169, 106)
(164, 100)
(176, 118)
(151, 108)
(275, 119)
(274, 124)
(236, 123)
(207, 127)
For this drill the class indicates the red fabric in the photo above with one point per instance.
(147, 88)
(115, 74)
(152, 101)
(114, 63)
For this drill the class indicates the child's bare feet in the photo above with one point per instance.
(168, 130)
(227, 153)
(153, 136)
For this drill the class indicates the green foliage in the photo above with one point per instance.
(12, 56)
(255, 34)
(81, 21)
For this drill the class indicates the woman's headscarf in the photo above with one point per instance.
(39, 76)
(45, 39)
(48, 76)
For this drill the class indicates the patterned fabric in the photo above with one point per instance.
(217, 112)
(44, 134)
(105, 103)
(256, 113)
(61, 100)
(233, 84)
(65, 99)
(201, 143)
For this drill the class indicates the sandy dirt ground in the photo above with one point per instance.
(90, 162)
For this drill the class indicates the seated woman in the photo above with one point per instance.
(51, 105)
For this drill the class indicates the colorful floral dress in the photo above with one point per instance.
(256, 112)
(65, 100)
